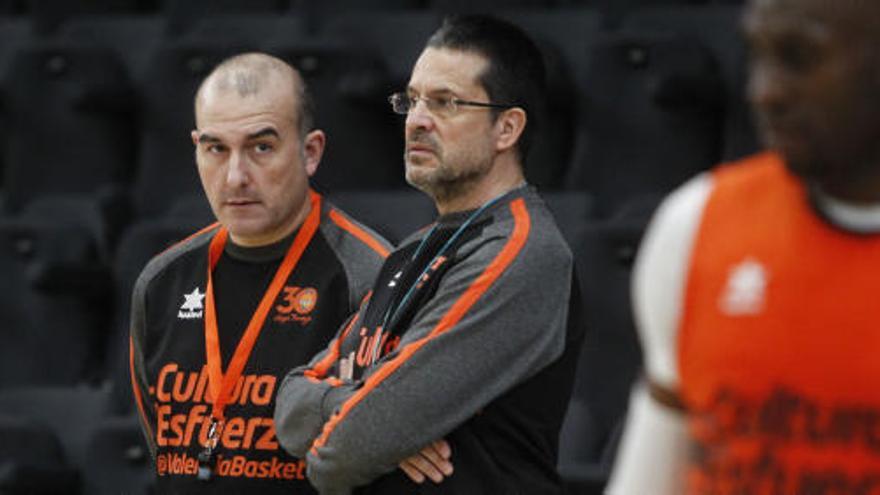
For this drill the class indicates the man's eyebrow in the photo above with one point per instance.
(268, 131)
(208, 138)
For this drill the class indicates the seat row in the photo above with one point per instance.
(631, 110)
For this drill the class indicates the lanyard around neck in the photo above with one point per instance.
(222, 384)
(391, 313)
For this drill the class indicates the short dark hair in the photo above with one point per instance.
(515, 74)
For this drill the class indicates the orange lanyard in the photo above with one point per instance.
(221, 385)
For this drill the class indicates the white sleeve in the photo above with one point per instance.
(652, 453)
(660, 274)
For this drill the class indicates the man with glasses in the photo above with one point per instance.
(459, 367)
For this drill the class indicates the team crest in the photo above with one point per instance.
(297, 304)
(745, 291)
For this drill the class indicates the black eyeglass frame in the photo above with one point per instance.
(456, 101)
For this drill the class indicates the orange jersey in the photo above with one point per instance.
(778, 343)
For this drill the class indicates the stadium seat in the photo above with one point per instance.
(246, 30)
(103, 215)
(350, 86)
(611, 356)
(66, 108)
(69, 412)
(181, 15)
(32, 460)
(47, 16)
(7, 7)
(132, 38)
(565, 37)
(718, 28)
(488, 6)
(119, 459)
(393, 214)
(572, 209)
(319, 13)
(650, 116)
(54, 301)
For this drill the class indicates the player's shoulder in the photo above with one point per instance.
(175, 254)
(523, 225)
(350, 238)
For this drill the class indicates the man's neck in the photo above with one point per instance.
(481, 191)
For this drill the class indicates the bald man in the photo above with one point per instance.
(756, 288)
(220, 317)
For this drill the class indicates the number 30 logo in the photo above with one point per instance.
(301, 300)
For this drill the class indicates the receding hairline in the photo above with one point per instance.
(250, 74)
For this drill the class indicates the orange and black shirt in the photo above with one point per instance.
(168, 349)
(470, 333)
(778, 343)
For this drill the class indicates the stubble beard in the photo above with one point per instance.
(445, 182)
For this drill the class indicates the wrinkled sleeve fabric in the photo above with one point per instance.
(308, 396)
(498, 317)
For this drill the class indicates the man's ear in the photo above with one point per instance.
(195, 136)
(509, 127)
(313, 150)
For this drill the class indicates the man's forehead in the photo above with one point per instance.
(443, 69)
(242, 121)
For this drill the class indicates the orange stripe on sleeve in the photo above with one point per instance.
(522, 225)
(358, 232)
(137, 390)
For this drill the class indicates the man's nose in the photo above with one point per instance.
(419, 117)
(769, 87)
(237, 173)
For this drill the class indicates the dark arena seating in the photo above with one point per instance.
(97, 176)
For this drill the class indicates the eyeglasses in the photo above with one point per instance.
(441, 106)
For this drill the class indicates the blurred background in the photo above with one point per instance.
(97, 176)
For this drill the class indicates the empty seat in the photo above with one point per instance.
(47, 16)
(611, 356)
(488, 6)
(246, 30)
(396, 37)
(572, 209)
(66, 109)
(319, 13)
(55, 301)
(718, 28)
(32, 460)
(120, 461)
(181, 15)
(350, 86)
(393, 214)
(70, 413)
(565, 37)
(650, 116)
(103, 215)
(130, 37)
